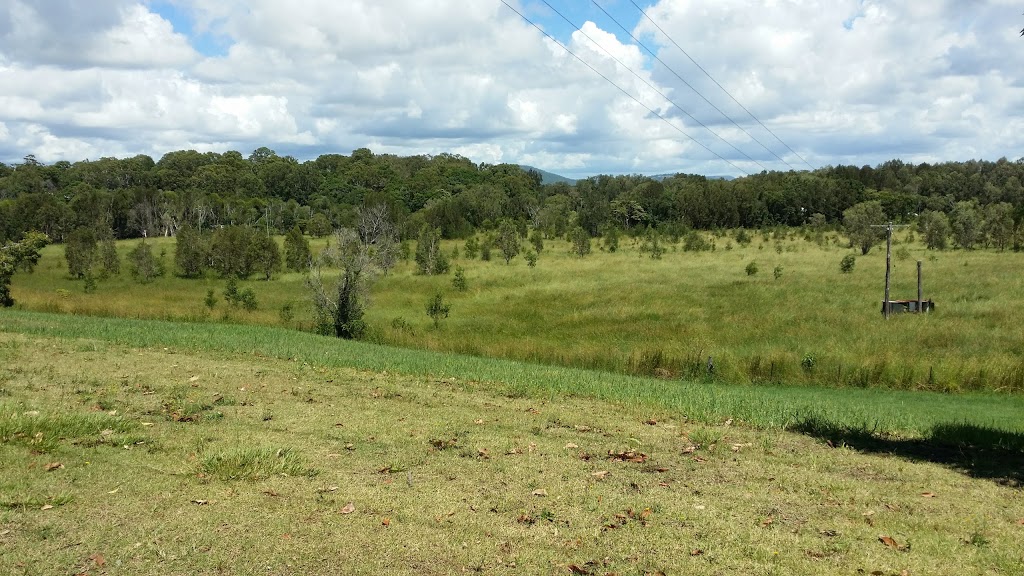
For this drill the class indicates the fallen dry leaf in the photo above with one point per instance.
(890, 543)
(1020, 522)
(53, 466)
(47, 507)
(574, 569)
(689, 449)
(194, 379)
(4, 532)
(767, 521)
(385, 522)
(738, 447)
(348, 508)
(697, 552)
(478, 421)
(651, 422)
(627, 456)
(98, 559)
(147, 424)
(570, 446)
(600, 474)
(483, 453)
(286, 536)
(114, 491)
(271, 492)
(540, 492)
(928, 494)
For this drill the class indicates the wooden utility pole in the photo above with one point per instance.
(920, 294)
(886, 307)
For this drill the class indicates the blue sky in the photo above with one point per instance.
(839, 81)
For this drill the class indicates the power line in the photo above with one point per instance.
(706, 73)
(631, 97)
(649, 85)
(695, 91)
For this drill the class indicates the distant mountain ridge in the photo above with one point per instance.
(552, 178)
(549, 177)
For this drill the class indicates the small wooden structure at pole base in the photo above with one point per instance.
(912, 306)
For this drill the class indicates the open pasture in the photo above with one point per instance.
(136, 447)
(798, 320)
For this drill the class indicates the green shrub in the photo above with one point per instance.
(847, 264)
(459, 279)
(751, 268)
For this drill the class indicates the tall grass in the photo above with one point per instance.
(627, 313)
(768, 405)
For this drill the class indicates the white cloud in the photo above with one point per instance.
(852, 81)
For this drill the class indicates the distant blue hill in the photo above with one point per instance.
(549, 177)
(660, 177)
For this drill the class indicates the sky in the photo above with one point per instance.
(716, 87)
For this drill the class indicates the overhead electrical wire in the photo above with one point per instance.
(706, 73)
(688, 85)
(651, 86)
(623, 90)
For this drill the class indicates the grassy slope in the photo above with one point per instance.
(627, 313)
(452, 464)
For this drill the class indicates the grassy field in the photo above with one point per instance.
(628, 313)
(147, 447)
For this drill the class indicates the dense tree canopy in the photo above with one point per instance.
(137, 196)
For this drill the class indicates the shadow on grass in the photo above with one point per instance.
(977, 451)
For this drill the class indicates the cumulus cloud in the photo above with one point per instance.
(840, 81)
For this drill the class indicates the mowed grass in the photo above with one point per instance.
(138, 447)
(627, 313)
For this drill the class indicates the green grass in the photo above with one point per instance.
(377, 460)
(765, 406)
(627, 313)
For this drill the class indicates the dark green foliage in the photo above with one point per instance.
(580, 240)
(743, 237)
(847, 264)
(777, 273)
(319, 226)
(965, 222)
(751, 268)
(430, 259)
(210, 300)
(110, 262)
(18, 255)
(143, 264)
(229, 251)
(531, 258)
(935, 228)
(507, 240)
(297, 255)
(190, 252)
(610, 239)
(459, 279)
(696, 242)
(537, 240)
(437, 309)
(246, 299)
(485, 249)
(81, 250)
(347, 322)
(471, 248)
(651, 244)
(860, 221)
(265, 255)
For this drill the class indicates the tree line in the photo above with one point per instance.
(138, 197)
